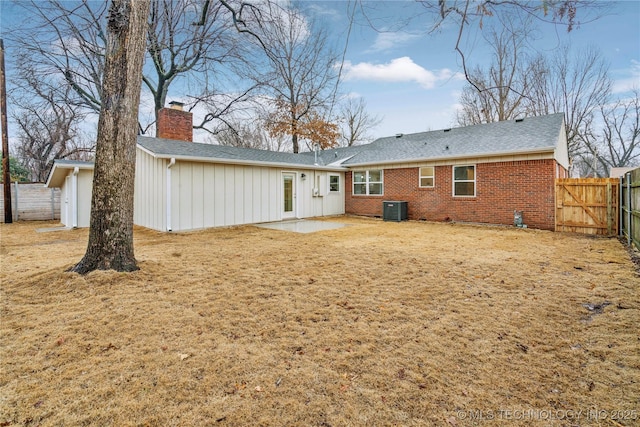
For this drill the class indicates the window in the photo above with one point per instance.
(426, 176)
(334, 183)
(464, 181)
(368, 182)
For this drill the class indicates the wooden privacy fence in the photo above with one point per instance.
(32, 201)
(587, 205)
(630, 207)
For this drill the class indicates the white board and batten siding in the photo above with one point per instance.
(214, 195)
(80, 202)
(205, 195)
(326, 202)
(150, 195)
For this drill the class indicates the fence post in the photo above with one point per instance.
(17, 204)
(621, 202)
(629, 209)
(609, 209)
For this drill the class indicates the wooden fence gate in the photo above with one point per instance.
(587, 205)
(630, 209)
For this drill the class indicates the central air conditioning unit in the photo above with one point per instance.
(394, 211)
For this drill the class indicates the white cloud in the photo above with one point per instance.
(627, 84)
(322, 10)
(352, 95)
(399, 70)
(388, 40)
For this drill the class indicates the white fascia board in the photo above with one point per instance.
(546, 150)
(59, 171)
(50, 177)
(151, 153)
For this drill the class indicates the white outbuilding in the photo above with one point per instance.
(75, 180)
(182, 185)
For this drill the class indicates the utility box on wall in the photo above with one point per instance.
(394, 211)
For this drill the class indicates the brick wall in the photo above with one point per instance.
(175, 124)
(501, 188)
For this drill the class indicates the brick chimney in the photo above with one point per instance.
(175, 123)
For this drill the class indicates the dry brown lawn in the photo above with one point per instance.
(374, 324)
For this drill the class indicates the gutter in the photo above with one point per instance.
(169, 166)
(222, 160)
(74, 197)
(60, 168)
(549, 150)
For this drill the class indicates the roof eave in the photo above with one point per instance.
(243, 162)
(55, 176)
(543, 150)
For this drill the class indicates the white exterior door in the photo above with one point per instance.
(288, 195)
(68, 202)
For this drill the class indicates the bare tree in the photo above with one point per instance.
(48, 127)
(576, 84)
(190, 37)
(500, 92)
(110, 243)
(466, 13)
(357, 122)
(251, 134)
(301, 77)
(185, 38)
(65, 39)
(618, 142)
(223, 110)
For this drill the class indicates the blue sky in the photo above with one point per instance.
(412, 79)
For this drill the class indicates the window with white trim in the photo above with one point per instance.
(426, 177)
(334, 183)
(464, 181)
(369, 182)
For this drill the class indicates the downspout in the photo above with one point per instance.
(169, 166)
(74, 197)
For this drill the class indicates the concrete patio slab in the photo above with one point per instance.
(302, 226)
(50, 229)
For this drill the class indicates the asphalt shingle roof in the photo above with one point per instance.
(172, 148)
(499, 138)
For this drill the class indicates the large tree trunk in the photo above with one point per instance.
(111, 233)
